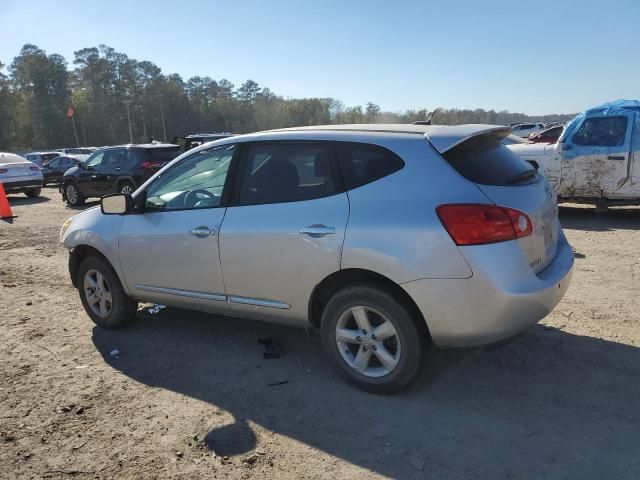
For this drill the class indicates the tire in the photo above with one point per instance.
(118, 308)
(73, 195)
(126, 187)
(404, 347)
(34, 192)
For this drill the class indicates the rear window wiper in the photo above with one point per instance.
(522, 176)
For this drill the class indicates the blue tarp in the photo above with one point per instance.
(611, 108)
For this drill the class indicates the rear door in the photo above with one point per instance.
(596, 159)
(284, 233)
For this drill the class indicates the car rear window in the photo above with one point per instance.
(160, 154)
(485, 160)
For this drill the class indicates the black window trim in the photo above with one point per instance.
(226, 189)
(335, 172)
(586, 119)
(341, 145)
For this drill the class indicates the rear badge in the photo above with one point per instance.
(535, 262)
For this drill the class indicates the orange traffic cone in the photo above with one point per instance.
(5, 208)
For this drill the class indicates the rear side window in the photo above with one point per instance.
(154, 155)
(485, 160)
(602, 132)
(362, 163)
(287, 172)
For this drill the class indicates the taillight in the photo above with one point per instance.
(3, 170)
(151, 164)
(477, 224)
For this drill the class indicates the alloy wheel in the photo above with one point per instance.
(72, 194)
(97, 293)
(368, 341)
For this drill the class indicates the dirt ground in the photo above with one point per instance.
(190, 396)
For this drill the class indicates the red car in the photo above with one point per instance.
(550, 135)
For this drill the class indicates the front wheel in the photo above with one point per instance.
(126, 188)
(372, 339)
(73, 195)
(102, 295)
(34, 192)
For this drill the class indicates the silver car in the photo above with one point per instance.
(386, 238)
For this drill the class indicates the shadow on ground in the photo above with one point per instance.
(550, 404)
(15, 200)
(588, 219)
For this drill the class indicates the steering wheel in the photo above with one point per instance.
(192, 199)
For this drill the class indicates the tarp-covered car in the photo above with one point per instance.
(597, 158)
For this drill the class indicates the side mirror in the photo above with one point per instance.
(82, 166)
(115, 204)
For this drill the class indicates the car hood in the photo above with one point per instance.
(529, 149)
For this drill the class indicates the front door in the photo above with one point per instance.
(169, 254)
(285, 231)
(595, 160)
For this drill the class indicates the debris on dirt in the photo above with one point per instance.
(271, 350)
(29, 303)
(115, 352)
(155, 309)
(250, 460)
(275, 384)
(80, 410)
(7, 438)
(65, 408)
(179, 454)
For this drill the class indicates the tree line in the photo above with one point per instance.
(117, 99)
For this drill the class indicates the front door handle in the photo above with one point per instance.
(617, 157)
(317, 231)
(202, 232)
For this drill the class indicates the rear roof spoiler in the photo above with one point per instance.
(445, 137)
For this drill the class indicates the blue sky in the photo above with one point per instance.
(536, 57)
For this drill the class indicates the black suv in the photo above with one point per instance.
(115, 169)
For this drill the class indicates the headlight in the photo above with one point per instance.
(65, 225)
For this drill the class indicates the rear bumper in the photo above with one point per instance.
(502, 298)
(22, 185)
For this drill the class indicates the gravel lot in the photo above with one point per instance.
(189, 394)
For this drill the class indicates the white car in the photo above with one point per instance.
(19, 175)
(525, 129)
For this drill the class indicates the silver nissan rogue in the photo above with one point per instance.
(386, 238)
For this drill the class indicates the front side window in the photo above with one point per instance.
(602, 132)
(195, 182)
(95, 160)
(363, 163)
(287, 172)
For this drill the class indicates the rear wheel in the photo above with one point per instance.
(371, 339)
(34, 192)
(73, 195)
(102, 295)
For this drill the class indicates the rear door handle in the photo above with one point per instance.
(317, 231)
(617, 157)
(202, 232)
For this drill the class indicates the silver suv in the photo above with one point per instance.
(386, 238)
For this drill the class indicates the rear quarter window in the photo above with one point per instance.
(363, 163)
(485, 160)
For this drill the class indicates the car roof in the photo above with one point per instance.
(207, 135)
(6, 157)
(143, 145)
(442, 137)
